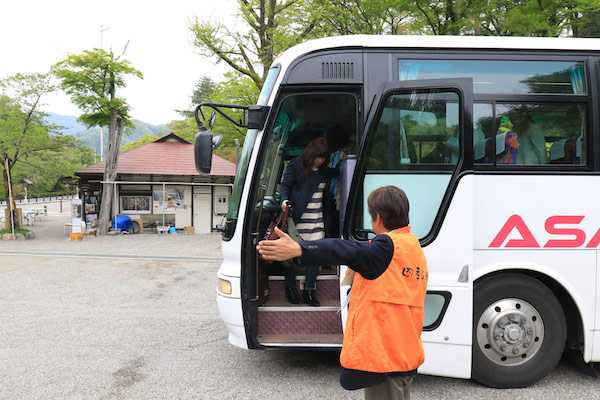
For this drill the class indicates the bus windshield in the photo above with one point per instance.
(242, 167)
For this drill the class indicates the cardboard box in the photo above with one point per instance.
(189, 230)
(140, 223)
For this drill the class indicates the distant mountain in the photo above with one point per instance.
(91, 137)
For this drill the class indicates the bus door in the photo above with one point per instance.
(419, 138)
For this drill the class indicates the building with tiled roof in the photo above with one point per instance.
(158, 185)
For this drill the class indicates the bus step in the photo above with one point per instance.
(286, 306)
(332, 340)
(328, 288)
(283, 318)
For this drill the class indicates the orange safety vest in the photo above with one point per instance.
(385, 318)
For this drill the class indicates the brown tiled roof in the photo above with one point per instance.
(162, 158)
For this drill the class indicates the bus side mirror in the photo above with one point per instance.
(257, 116)
(204, 144)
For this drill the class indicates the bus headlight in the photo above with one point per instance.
(224, 286)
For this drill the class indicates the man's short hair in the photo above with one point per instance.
(391, 204)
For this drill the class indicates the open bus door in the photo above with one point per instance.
(418, 137)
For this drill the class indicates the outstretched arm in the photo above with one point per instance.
(368, 259)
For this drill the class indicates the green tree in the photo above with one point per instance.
(585, 19)
(92, 79)
(236, 89)
(531, 18)
(269, 28)
(204, 89)
(347, 17)
(24, 134)
(46, 167)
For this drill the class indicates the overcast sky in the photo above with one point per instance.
(37, 33)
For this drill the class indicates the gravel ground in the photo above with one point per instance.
(50, 237)
(103, 328)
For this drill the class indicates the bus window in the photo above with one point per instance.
(483, 132)
(499, 76)
(415, 146)
(541, 134)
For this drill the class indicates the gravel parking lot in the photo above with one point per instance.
(127, 318)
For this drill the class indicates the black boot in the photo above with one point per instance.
(292, 295)
(310, 298)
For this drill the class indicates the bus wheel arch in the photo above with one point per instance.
(512, 310)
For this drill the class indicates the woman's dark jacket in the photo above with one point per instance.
(298, 188)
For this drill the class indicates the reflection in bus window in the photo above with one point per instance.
(497, 76)
(543, 133)
(416, 128)
(415, 146)
(483, 131)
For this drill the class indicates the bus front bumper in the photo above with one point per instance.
(230, 311)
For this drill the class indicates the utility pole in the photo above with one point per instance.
(102, 30)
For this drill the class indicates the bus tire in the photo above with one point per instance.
(519, 331)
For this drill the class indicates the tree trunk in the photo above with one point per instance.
(8, 205)
(110, 171)
(5, 181)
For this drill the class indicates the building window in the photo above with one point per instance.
(136, 204)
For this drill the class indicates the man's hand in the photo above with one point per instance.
(281, 249)
(284, 205)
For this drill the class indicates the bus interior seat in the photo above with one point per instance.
(478, 144)
(564, 152)
(507, 149)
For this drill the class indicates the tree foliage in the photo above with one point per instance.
(92, 79)
(203, 90)
(576, 18)
(348, 17)
(32, 147)
(268, 27)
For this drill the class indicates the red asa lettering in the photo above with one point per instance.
(515, 221)
(595, 241)
(553, 230)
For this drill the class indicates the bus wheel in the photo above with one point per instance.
(519, 331)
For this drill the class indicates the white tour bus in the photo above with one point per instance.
(495, 141)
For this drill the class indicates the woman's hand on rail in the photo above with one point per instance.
(281, 249)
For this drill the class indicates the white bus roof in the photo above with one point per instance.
(440, 42)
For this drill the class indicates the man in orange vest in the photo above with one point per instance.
(382, 342)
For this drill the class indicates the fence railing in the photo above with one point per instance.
(42, 199)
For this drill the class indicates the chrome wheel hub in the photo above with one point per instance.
(510, 332)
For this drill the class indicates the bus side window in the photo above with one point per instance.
(414, 145)
(546, 133)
